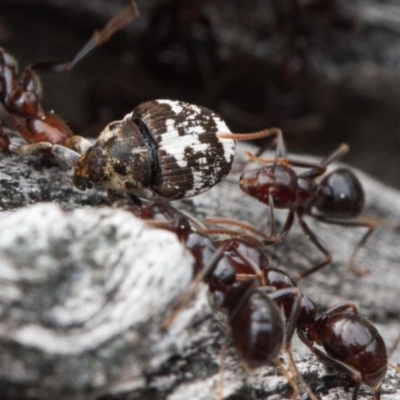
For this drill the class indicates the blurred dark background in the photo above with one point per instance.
(325, 71)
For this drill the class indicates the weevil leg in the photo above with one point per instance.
(78, 144)
(32, 148)
(65, 154)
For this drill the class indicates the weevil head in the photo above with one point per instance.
(119, 160)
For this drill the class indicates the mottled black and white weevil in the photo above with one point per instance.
(163, 149)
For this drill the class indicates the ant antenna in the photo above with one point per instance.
(250, 136)
(119, 21)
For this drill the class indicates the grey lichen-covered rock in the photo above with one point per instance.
(84, 294)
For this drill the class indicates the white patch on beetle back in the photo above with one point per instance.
(175, 106)
(197, 129)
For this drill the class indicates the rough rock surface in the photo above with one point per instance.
(70, 325)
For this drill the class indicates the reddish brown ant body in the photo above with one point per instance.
(22, 99)
(337, 199)
(240, 280)
(352, 345)
(253, 316)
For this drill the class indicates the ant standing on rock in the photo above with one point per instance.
(237, 289)
(352, 345)
(244, 286)
(337, 199)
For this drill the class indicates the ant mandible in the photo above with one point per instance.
(22, 99)
(337, 199)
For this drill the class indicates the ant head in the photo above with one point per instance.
(340, 194)
(273, 182)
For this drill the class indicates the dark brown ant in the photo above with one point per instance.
(235, 288)
(352, 345)
(22, 99)
(240, 278)
(337, 199)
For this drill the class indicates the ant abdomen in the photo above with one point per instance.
(340, 195)
(353, 340)
(256, 324)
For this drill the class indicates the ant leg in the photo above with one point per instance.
(319, 244)
(394, 347)
(257, 135)
(200, 277)
(290, 327)
(316, 169)
(336, 154)
(361, 243)
(4, 140)
(224, 350)
(32, 148)
(287, 225)
(242, 225)
(289, 378)
(321, 168)
(342, 368)
(250, 136)
(377, 395)
(119, 21)
(273, 236)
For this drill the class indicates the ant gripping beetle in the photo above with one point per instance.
(163, 149)
(337, 199)
(22, 100)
